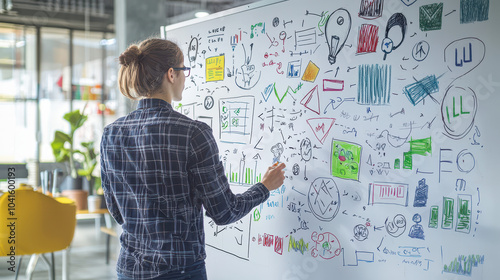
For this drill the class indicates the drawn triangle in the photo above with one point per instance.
(321, 127)
(369, 162)
(311, 100)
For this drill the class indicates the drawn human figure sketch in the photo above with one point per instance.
(305, 153)
(246, 76)
(416, 230)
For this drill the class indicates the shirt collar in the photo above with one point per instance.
(153, 102)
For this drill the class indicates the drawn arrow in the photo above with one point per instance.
(377, 228)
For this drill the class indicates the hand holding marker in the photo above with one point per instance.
(274, 176)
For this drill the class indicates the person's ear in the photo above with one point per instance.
(169, 75)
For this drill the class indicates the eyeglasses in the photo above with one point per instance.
(187, 70)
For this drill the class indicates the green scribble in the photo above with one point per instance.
(462, 265)
(420, 147)
(463, 215)
(447, 219)
(256, 215)
(433, 220)
(431, 17)
(253, 29)
(397, 163)
(298, 245)
(323, 20)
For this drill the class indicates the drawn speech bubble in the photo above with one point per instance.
(463, 55)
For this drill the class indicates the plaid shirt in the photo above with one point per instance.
(158, 169)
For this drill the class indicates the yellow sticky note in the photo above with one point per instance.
(311, 72)
(214, 68)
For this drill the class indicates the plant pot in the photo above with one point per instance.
(94, 202)
(79, 196)
(71, 183)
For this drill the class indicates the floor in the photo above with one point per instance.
(87, 258)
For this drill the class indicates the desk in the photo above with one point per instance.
(97, 215)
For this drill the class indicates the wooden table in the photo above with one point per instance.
(97, 215)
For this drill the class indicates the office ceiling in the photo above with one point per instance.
(100, 13)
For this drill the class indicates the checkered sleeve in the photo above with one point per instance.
(108, 195)
(207, 176)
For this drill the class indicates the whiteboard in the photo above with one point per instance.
(381, 111)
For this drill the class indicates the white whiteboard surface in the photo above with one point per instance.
(386, 114)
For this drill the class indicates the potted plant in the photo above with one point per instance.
(64, 150)
(88, 165)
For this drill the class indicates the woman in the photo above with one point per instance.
(159, 168)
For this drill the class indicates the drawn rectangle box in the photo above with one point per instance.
(236, 119)
(207, 120)
(447, 219)
(464, 213)
(305, 37)
(333, 85)
(294, 68)
(434, 216)
(388, 193)
(364, 256)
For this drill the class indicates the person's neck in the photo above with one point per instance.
(162, 96)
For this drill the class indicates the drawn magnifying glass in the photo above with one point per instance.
(397, 19)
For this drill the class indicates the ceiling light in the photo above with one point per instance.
(201, 14)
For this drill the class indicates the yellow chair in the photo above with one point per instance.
(38, 223)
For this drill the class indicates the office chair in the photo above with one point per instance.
(42, 224)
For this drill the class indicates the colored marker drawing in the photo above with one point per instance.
(321, 127)
(367, 39)
(417, 91)
(311, 72)
(346, 159)
(464, 213)
(421, 194)
(374, 84)
(458, 111)
(236, 118)
(326, 245)
(388, 193)
(298, 245)
(474, 10)
(431, 17)
(422, 147)
(463, 265)
(371, 9)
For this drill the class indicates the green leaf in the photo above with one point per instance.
(61, 137)
(60, 152)
(76, 119)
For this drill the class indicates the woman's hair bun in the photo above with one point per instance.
(130, 55)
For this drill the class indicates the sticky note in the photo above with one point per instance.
(214, 68)
(311, 72)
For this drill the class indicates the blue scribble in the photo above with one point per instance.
(417, 91)
(374, 85)
(474, 10)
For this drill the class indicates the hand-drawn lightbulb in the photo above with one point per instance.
(337, 30)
